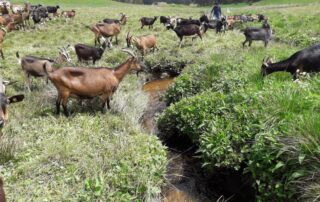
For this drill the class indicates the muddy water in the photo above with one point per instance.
(183, 180)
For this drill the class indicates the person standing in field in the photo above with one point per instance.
(216, 11)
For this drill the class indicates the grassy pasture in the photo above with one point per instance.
(93, 156)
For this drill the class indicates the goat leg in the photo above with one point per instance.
(244, 43)
(108, 103)
(181, 38)
(2, 54)
(58, 106)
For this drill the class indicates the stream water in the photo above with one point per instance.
(183, 181)
(186, 179)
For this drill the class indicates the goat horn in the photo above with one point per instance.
(128, 34)
(129, 52)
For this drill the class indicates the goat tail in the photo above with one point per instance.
(18, 57)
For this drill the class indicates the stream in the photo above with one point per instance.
(186, 179)
(183, 180)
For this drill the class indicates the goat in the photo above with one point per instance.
(3, 33)
(187, 22)
(147, 21)
(33, 66)
(164, 20)
(258, 34)
(306, 60)
(85, 83)
(204, 18)
(122, 21)
(261, 18)
(85, 52)
(190, 30)
(142, 43)
(4, 103)
(68, 14)
(52, 9)
(105, 30)
(4, 9)
(221, 25)
(16, 8)
(39, 14)
(4, 20)
(2, 194)
(18, 19)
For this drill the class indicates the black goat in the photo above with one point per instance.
(86, 53)
(164, 20)
(188, 22)
(261, 17)
(204, 18)
(306, 60)
(148, 21)
(39, 14)
(52, 9)
(221, 25)
(258, 34)
(122, 21)
(190, 30)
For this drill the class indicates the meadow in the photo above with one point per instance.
(267, 127)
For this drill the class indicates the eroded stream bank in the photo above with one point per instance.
(186, 180)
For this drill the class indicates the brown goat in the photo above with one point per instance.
(105, 30)
(19, 19)
(142, 43)
(85, 83)
(68, 14)
(2, 195)
(33, 66)
(4, 20)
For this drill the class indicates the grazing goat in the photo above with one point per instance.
(142, 43)
(182, 21)
(52, 9)
(2, 35)
(147, 21)
(190, 30)
(105, 30)
(85, 52)
(68, 14)
(33, 66)
(258, 34)
(306, 60)
(4, 115)
(2, 195)
(122, 21)
(85, 83)
(39, 14)
(164, 20)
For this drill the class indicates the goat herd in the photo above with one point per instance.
(82, 83)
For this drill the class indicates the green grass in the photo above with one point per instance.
(94, 156)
